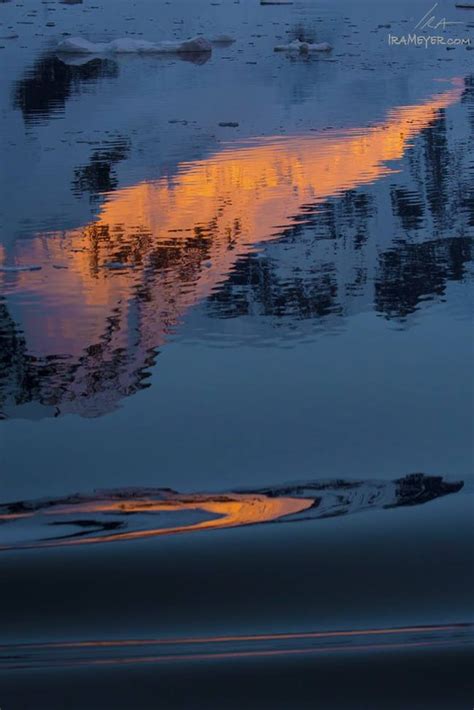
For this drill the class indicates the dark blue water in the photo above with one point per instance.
(236, 391)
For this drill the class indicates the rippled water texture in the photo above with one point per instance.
(235, 294)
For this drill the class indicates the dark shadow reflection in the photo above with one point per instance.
(98, 176)
(411, 272)
(46, 88)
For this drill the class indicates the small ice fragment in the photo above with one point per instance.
(131, 46)
(197, 44)
(292, 47)
(223, 39)
(317, 47)
(77, 60)
(78, 45)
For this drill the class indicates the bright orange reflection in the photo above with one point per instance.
(182, 236)
(226, 511)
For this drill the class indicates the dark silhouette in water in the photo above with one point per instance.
(46, 88)
(409, 272)
(408, 207)
(98, 175)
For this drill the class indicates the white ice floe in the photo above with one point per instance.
(223, 39)
(78, 60)
(303, 47)
(79, 45)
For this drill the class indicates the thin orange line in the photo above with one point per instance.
(237, 638)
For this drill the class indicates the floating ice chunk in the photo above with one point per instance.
(292, 47)
(317, 47)
(197, 44)
(78, 45)
(130, 46)
(303, 47)
(223, 39)
(78, 60)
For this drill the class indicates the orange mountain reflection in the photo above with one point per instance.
(135, 514)
(226, 511)
(109, 293)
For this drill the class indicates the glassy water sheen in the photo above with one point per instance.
(236, 392)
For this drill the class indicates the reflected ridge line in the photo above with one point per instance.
(160, 247)
(139, 513)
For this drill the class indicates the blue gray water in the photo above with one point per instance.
(208, 332)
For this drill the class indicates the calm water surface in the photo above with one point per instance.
(236, 391)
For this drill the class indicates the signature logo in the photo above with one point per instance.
(423, 35)
(430, 21)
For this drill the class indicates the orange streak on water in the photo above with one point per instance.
(239, 510)
(441, 628)
(231, 511)
(264, 653)
(238, 198)
(243, 654)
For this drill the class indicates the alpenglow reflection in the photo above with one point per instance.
(135, 513)
(85, 310)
